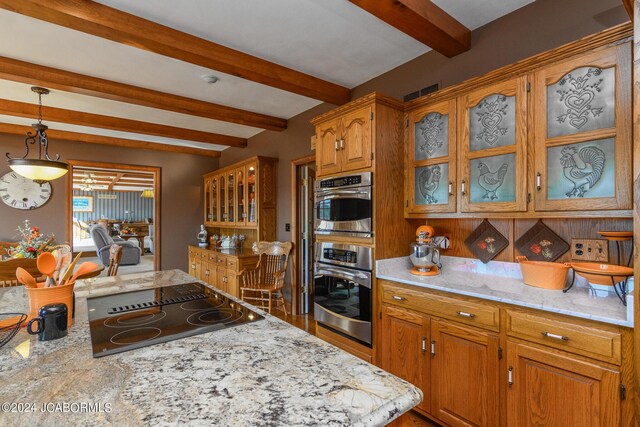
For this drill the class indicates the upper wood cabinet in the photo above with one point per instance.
(582, 114)
(550, 389)
(493, 137)
(430, 148)
(344, 144)
(243, 195)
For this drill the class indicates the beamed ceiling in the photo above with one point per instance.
(129, 73)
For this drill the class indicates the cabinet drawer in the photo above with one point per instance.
(232, 264)
(588, 341)
(221, 260)
(212, 256)
(471, 313)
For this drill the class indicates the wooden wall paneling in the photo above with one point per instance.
(636, 198)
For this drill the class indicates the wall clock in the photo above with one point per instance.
(19, 192)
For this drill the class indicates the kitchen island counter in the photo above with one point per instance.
(261, 373)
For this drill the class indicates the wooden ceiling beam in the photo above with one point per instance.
(60, 115)
(113, 24)
(53, 78)
(106, 140)
(422, 20)
(114, 181)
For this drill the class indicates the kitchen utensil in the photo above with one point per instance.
(51, 322)
(543, 274)
(25, 278)
(10, 324)
(63, 259)
(69, 271)
(425, 255)
(46, 263)
(540, 243)
(83, 269)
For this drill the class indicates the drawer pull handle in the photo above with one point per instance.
(424, 344)
(558, 337)
(464, 187)
(538, 181)
(450, 188)
(399, 298)
(464, 314)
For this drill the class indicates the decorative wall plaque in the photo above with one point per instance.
(541, 243)
(432, 185)
(582, 170)
(582, 100)
(485, 242)
(432, 137)
(492, 123)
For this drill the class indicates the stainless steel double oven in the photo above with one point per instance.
(342, 271)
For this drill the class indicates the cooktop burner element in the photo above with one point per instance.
(130, 320)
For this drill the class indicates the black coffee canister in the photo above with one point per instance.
(51, 322)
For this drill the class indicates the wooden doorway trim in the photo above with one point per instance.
(157, 185)
(295, 196)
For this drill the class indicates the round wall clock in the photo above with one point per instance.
(19, 192)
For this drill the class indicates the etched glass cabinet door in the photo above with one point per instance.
(493, 132)
(431, 159)
(582, 118)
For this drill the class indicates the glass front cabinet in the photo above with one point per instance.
(431, 156)
(493, 158)
(241, 196)
(208, 213)
(583, 132)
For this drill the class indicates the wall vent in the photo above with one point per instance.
(422, 92)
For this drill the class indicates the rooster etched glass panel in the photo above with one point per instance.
(493, 179)
(492, 123)
(432, 185)
(432, 137)
(583, 170)
(582, 100)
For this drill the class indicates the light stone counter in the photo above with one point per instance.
(502, 282)
(265, 373)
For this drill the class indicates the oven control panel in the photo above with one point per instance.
(341, 182)
(342, 255)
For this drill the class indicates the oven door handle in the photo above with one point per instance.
(341, 274)
(344, 194)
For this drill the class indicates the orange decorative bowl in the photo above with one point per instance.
(41, 296)
(543, 274)
(601, 274)
(617, 235)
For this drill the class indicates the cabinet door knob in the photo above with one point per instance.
(463, 187)
(465, 314)
(555, 336)
(538, 181)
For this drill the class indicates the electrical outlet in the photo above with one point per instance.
(590, 250)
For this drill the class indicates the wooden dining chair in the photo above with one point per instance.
(264, 283)
(115, 255)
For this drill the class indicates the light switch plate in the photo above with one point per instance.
(596, 250)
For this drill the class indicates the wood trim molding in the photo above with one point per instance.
(628, 5)
(53, 78)
(618, 34)
(121, 27)
(107, 140)
(376, 97)
(424, 21)
(636, 199)
(157, 192)
(61, 115)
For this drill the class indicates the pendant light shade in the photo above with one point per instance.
(38, 169)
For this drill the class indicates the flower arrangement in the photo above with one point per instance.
(32, 242)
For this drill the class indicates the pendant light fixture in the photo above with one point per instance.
(147, 194)
(41, 169)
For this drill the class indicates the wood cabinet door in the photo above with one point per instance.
(582, 115)
(328, 152)
(231, 197)
(464, 375)
(493, 137)
(403, 348)
(355, 143)
(232, 283)
(206, 272)
(553, 390)
(222, 198)
(220, 279)
(241, 196)
(251, 170)
(215, 215)
(192, 264)
(430, 168)
(208, 218)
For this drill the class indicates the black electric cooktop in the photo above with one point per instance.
(131, 320)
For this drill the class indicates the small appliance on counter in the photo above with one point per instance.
(425, 252)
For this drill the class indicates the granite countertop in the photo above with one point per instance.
(237, 252)
(265, 373)
(502, 282)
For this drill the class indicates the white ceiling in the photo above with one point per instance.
(330, 39)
